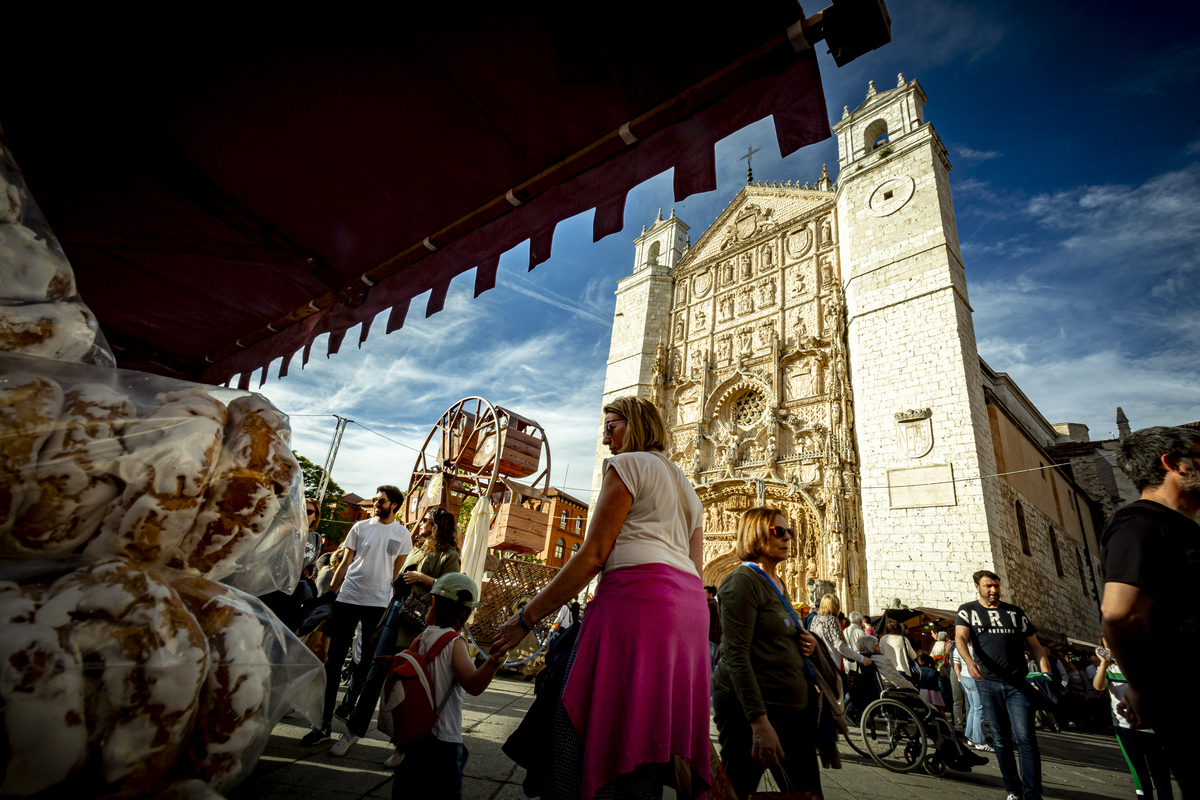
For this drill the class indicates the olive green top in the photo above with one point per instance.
(760, 661)
(432, 563)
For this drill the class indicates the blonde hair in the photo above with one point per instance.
(830, 605)
(752, 532)
(644, 429)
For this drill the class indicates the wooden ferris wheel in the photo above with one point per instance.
(476, 449)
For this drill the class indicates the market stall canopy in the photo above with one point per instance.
(227, 196)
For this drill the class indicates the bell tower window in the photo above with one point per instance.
(876, 135)
(652, 258)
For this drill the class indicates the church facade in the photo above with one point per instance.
(814, 351)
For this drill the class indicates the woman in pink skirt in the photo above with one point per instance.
(634, 710)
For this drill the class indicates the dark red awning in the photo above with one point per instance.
(227, 198)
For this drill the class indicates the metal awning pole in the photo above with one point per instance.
(333, 451)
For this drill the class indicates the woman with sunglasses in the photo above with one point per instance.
(763, 702)
(637, 682)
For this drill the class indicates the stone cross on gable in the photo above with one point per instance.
(750, 151)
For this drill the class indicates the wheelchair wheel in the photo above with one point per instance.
(893, 736)
(935, 765)
(856, 746)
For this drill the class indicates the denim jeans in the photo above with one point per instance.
(372, 684)
(1010, 714)
(974, 728)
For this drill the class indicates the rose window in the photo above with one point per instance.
(748, 408)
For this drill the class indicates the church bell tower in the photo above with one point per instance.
(641, 318)
(922, 427)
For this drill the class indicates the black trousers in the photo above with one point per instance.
(340, 630)
(796, 731)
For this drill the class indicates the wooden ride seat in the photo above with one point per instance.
(519, 450)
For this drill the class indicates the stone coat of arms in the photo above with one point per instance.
(914, 432)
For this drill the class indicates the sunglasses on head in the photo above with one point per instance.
(789, 533)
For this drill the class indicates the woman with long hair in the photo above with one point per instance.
(434, 554)
(633, 714)
(763, 702)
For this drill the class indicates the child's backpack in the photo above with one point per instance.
(408, 712)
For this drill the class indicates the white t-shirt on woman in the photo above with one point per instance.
(657, 530)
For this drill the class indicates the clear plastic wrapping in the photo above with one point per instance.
(127, 680)
(41, 313)
(111, 462)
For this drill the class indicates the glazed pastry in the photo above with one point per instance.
(29, 406)
(75, 480)
(30, 271)
(42, 698)
(253, 475)
(232, 717)
(11, 204)
(61, 331)
(170, 456)
(147, 659)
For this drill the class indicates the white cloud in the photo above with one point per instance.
(971, 154)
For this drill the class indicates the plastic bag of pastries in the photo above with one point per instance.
(124, 681)
(41, 313)
(30, 404)
(120, 463)
(257, 670)
(254, 477)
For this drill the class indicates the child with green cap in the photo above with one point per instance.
(436, 763)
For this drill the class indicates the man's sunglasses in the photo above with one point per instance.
(789, 533)
(379, 500)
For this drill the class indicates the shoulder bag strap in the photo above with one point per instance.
(787, 607)
(446, 638)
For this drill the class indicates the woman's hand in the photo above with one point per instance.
(417, 577)
(808, 643)
(765, 747)
(510, 634)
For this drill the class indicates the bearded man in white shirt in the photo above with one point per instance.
(375, 550)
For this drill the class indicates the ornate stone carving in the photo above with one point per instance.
(914, 432)
(766, 258)
(725, 349)
(825, 265)
(727, 276)
(702, 283)
(766, 293)
(799, 242)
(680, 294)
(746, 267)
(799, 284)
(745, 301)
(701, 319)
(679, 328)
(725, 307)
(826, 233)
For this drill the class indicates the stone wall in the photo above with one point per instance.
(1063, 603)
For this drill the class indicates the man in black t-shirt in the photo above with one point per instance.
(999, 633)
(1151, 555)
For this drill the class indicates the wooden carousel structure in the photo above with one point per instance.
(481, 451)
(476, 449)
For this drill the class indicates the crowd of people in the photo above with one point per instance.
(626, 697)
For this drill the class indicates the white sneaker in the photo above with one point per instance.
(393, 760)
(343, 744)
(987, 748)
(1012, 797)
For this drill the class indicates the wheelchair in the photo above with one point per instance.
(900, 732)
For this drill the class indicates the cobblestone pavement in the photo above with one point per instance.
(1075, 766)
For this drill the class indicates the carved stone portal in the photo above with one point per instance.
(770, 422)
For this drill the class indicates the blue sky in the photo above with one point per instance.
(1075, 145)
